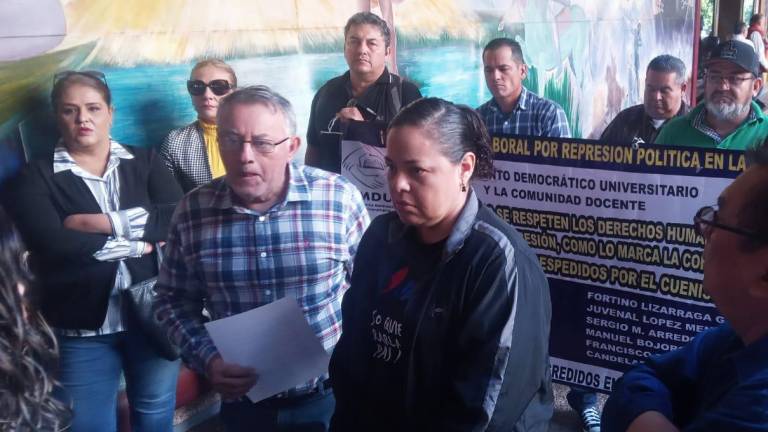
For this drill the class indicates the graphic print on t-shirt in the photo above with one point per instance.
(387, 320)
(400, 284)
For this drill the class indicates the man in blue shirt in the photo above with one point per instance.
(718, 381)
(513, 109)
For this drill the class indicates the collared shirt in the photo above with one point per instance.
(533, 115)
(692, 130)
(236, 259)
(713, 383)
(127, 227)
(700, 122)
(634, 126)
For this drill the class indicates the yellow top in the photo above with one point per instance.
(212, 148)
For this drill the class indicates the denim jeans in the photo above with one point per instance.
(310, 413)
(89, 372)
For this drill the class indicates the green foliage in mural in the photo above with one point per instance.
(558, 90)
(531, 82)
(748, 8)
(707, 16)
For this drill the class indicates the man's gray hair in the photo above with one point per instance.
(666, 63)
(739, 27)
(369, 18)
(263, 95)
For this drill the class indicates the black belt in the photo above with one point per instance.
(323, 387)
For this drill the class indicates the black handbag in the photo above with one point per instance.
(139, 298)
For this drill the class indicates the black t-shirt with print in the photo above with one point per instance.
(392, 325)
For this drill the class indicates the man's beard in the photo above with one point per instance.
(725, 111)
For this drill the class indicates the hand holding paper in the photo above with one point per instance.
(274, 342)
(230, 380)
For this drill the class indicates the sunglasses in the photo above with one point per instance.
(219, 87)
(93, 74)
(706, 219)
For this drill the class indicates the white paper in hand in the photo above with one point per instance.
(275, 340)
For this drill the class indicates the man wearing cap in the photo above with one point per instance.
(367, 96)
(665, 84)
(728, 118)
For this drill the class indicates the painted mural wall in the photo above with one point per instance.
(588, 55)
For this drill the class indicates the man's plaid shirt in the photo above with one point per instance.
(233, 259)
(533, 115)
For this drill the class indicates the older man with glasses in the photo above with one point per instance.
(719, 380)
(728, 118)
(268, 229)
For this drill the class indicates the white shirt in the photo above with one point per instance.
(757, 43)
(128, 226)
(740, 38)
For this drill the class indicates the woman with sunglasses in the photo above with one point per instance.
(91, 213)
(446, 321)
(192, 152)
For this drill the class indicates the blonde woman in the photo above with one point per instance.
(192, 152)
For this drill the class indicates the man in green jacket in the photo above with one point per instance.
(728, 118)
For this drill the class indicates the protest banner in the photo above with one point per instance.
(364, 166)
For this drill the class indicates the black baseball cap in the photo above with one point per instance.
(738, 53)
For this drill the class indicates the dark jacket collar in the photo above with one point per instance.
(684, 108)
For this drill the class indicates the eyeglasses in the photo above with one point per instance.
(706, 219)
(732, 80)
(219, 87)
(93, 74)
(234, 142)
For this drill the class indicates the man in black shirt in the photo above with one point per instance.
(366, 96)
(665, 85)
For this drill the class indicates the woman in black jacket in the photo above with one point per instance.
(91, 214)
(446, 323)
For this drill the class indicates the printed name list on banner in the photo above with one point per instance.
(613, 228)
